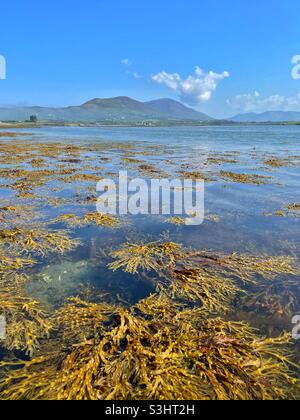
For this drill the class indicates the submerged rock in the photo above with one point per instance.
(55, 282)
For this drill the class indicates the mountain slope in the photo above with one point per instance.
(116, 110)
(175, 109)
(120, 102)
(270, 116)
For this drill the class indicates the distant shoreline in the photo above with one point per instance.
(220, 123)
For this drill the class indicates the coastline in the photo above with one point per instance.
(219, 123)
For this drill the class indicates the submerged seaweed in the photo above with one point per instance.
(279, 297)
(209, 280)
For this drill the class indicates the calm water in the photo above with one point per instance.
(242, 224)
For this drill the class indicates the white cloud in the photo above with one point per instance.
(197, 88)
(126, 62)
(137, 75)
(254, 102)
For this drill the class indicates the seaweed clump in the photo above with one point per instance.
(99, 219)
(245, 178)
(152, 256)
(39, 241)
(202, 277)
(290, 210)
(275, 162)
(26, 320)
(171, 345)
(153, 352)
(178, 221)
(79, 320)
(294, 207)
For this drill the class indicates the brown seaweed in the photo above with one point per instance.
(179, 357)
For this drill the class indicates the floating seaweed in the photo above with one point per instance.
(279, 161)
(275, 162)
(175, 220)
(197, 175)
(12, 134)
(133, 258)
(38, 241)
(70, 219)
(245, 178)
(210, 291)
(294, 207)
(37, 163)
(56, 202)
(12, 263)
(131, 161)
(99, 219)
(146, 257)
(151, 170)
(220, 160)
(290, 210)
(80, 178)
(11, 214)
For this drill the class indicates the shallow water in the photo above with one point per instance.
(245, 221)
(252, 178)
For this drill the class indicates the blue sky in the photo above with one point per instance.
(66, 52)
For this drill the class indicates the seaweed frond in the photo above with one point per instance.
(26, 321)
(212, 292)
(70, 219)
(39, 241)
(245, 178)
(279, 297)
(79, 320)
(203, 277)
(11, 264)
(133, 258)
(99, 219)
(175, 221)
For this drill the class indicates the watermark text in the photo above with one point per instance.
(2, 68)
(2, 328)
(296, 68)
(296, 329)
(153, 196)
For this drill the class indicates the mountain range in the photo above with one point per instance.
(269, 116)
(115, 110)
(123, 109)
